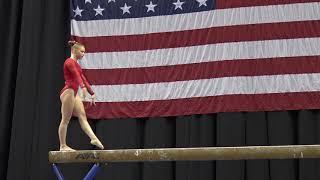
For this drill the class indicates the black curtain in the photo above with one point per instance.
(33, 36)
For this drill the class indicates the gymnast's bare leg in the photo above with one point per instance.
(79, 112)
(67, 104)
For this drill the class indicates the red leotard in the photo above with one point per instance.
(74, 77)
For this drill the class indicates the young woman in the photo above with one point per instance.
(71, 103)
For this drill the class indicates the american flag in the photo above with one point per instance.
(149, 58)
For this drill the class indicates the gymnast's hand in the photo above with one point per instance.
(93, 100)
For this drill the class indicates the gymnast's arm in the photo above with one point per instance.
(93, 97)
(86, 83)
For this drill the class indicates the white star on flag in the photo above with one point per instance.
(202, 2)
(99, 10)
(87, 1)
(77, 12)
(111, 1)
(151, 6)
(178, 5)
(125, 8)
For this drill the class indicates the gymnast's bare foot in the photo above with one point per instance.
(97, 143)
(66, 148)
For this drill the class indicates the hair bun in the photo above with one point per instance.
(71, 43)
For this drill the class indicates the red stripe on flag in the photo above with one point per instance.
(252, 32)
(224, 4)
(256, 67)
(228, 103)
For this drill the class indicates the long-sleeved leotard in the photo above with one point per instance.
(74, 77)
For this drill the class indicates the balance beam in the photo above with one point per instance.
(186, 154)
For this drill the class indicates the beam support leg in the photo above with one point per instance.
(93, 171)
(57, 172)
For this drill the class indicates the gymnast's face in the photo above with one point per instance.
(79, 52)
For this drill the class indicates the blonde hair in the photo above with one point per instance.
(75, 44)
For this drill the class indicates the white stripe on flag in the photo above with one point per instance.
(198, 20)
(204, 53)
(208, 87)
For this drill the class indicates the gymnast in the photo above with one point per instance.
(71, 103)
